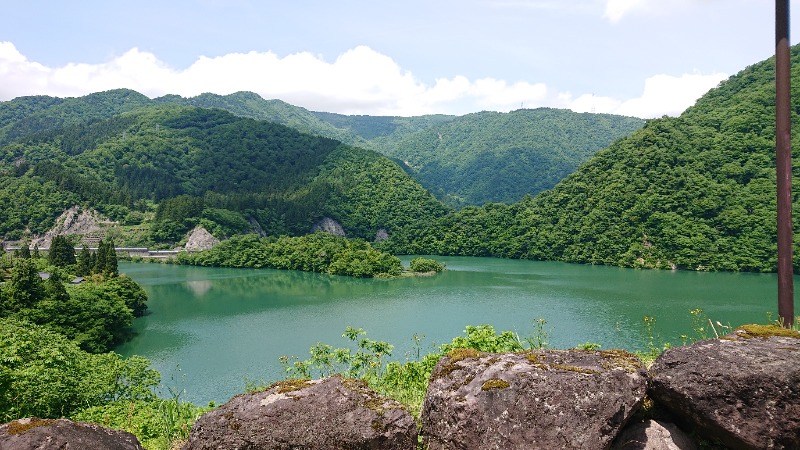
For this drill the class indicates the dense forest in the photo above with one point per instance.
(693, 192)
(503, 156)
(463, 160)
(171, 167)
(56, 339)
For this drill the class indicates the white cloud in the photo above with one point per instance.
(669, 95)
(359, 81)
(662, 95)
(616, 9)
(18, 76)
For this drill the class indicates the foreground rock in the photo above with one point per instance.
(332, 413)
(541, 399)
(653, 435)
(46, 434)
(742, 390)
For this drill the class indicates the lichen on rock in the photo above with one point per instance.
(51, 434)
(743, 390)
(308, 414)
(534, 399)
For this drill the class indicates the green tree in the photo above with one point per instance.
(54, 287)
(24, 251)
(84, 262)
(129, 291)
(43, 374)
(111, 267)
(425, 265)
(26, 288)
(62, 252)
(100, 258)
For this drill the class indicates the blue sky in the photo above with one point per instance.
(643, 58)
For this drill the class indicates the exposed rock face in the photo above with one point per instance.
(72, 221)
(745, 392)
(381, 235)
(46, 434)
(653, 435)
(256, 226)
(332, 413)
(540, 399)
(328, 225)
(200, 239)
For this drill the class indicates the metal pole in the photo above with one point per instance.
(783, 162)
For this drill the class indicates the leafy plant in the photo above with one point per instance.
(425, 265)
(406, 381)
(45, 375)
(365, 361)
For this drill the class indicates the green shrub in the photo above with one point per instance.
(425, 265)
(43, 374)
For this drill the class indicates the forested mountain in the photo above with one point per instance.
(464, 160)
(174, 167)
(501, 157)
(26, 115)
(251, 105)
(694, 192)
(378, 132)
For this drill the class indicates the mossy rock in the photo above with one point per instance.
(495, 383)
(764, 331)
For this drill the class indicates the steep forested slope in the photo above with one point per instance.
(463, 160)
(466, 160)
(251, 105)
(694, 192)
(501, 157)
(183, 166)
(25, 115)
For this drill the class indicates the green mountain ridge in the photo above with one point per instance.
(463, 160)
(486, 156)
(501, 157)
(185, 165)
(28, 115)
(693, 192)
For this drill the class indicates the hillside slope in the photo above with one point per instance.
(501, 157)
(464, 160)
(694, 192)
(27, 115)
(173, 167)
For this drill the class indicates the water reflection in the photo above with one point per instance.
(223, 326)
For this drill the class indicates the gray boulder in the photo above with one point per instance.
(742, 390)
(539, 399)
(47, 434)
(332, 413)
(653, 435)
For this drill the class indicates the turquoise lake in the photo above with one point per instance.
(209, 331)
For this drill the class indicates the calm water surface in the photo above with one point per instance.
(211, 330)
